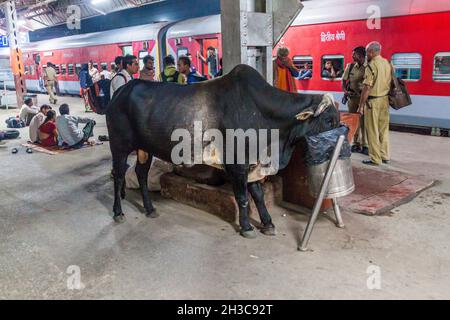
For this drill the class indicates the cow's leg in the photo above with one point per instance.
(257, 192)
(119, 166)
(239, 178)
(142, 170)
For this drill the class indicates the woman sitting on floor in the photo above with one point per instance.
(48, 135)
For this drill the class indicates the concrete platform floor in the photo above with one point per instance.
(55, 213)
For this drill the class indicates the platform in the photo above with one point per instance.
(377, 192)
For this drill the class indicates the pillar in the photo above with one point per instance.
(17, 66)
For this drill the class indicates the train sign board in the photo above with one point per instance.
(4, 41)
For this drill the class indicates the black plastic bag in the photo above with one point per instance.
(320, 147)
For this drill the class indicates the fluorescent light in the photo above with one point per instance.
(95, 2)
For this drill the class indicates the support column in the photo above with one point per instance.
(17, 66)
(249, 31)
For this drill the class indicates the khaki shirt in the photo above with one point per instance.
(50, 74)
(378, 77)
(356, 78)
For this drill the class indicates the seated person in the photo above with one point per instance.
(303, 74)
(328, 70)
(48, 135)
(28, 111)
(37, 122)
(68, 130)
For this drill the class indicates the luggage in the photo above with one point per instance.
(15, 123)
(398, 95)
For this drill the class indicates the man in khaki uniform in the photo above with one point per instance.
(352, 83)
(50, 81)
(374, 104)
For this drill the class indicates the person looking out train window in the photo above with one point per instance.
(148, 71)
(328, 71)
(130, 68)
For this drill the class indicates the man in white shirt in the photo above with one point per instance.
(105, 74)
(130, 68)
(27, 111)
(37, 121)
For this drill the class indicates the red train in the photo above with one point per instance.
(413, 34)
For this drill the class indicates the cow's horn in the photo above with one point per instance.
(305, 115)
(327, 101)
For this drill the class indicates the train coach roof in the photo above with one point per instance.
(197, 26)
(122, 35)
(324, 11)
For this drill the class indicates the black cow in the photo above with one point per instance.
(143, 115)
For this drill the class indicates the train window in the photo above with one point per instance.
(127, 50)
(78, 68)
(63, 69)
(58, 71)
(182, 52)
(441, 71)
(70, 69)
(305, 65)
(332, 67)
(27, 70)
(32, 70)
(408, 66)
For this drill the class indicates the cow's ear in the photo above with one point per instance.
(305, 115)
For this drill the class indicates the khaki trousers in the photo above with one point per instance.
(50, 85)
(360, 138)
(376, 120)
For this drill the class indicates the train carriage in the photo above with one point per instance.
(413, 34)
(69, 53)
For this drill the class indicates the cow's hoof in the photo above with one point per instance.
(119, 218)
(153, 214)
(250, 234)
(269, 231)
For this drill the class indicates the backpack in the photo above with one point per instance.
(172, 78)
(99, 94)
(15, 123)
(199, 78)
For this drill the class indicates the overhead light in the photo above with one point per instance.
(95, 2)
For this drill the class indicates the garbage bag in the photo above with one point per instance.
(320, 147)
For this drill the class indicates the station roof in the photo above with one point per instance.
(35, 15)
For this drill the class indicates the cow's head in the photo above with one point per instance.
(319, 117)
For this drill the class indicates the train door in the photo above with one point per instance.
(212, 42)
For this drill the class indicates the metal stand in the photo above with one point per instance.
(323, 190)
